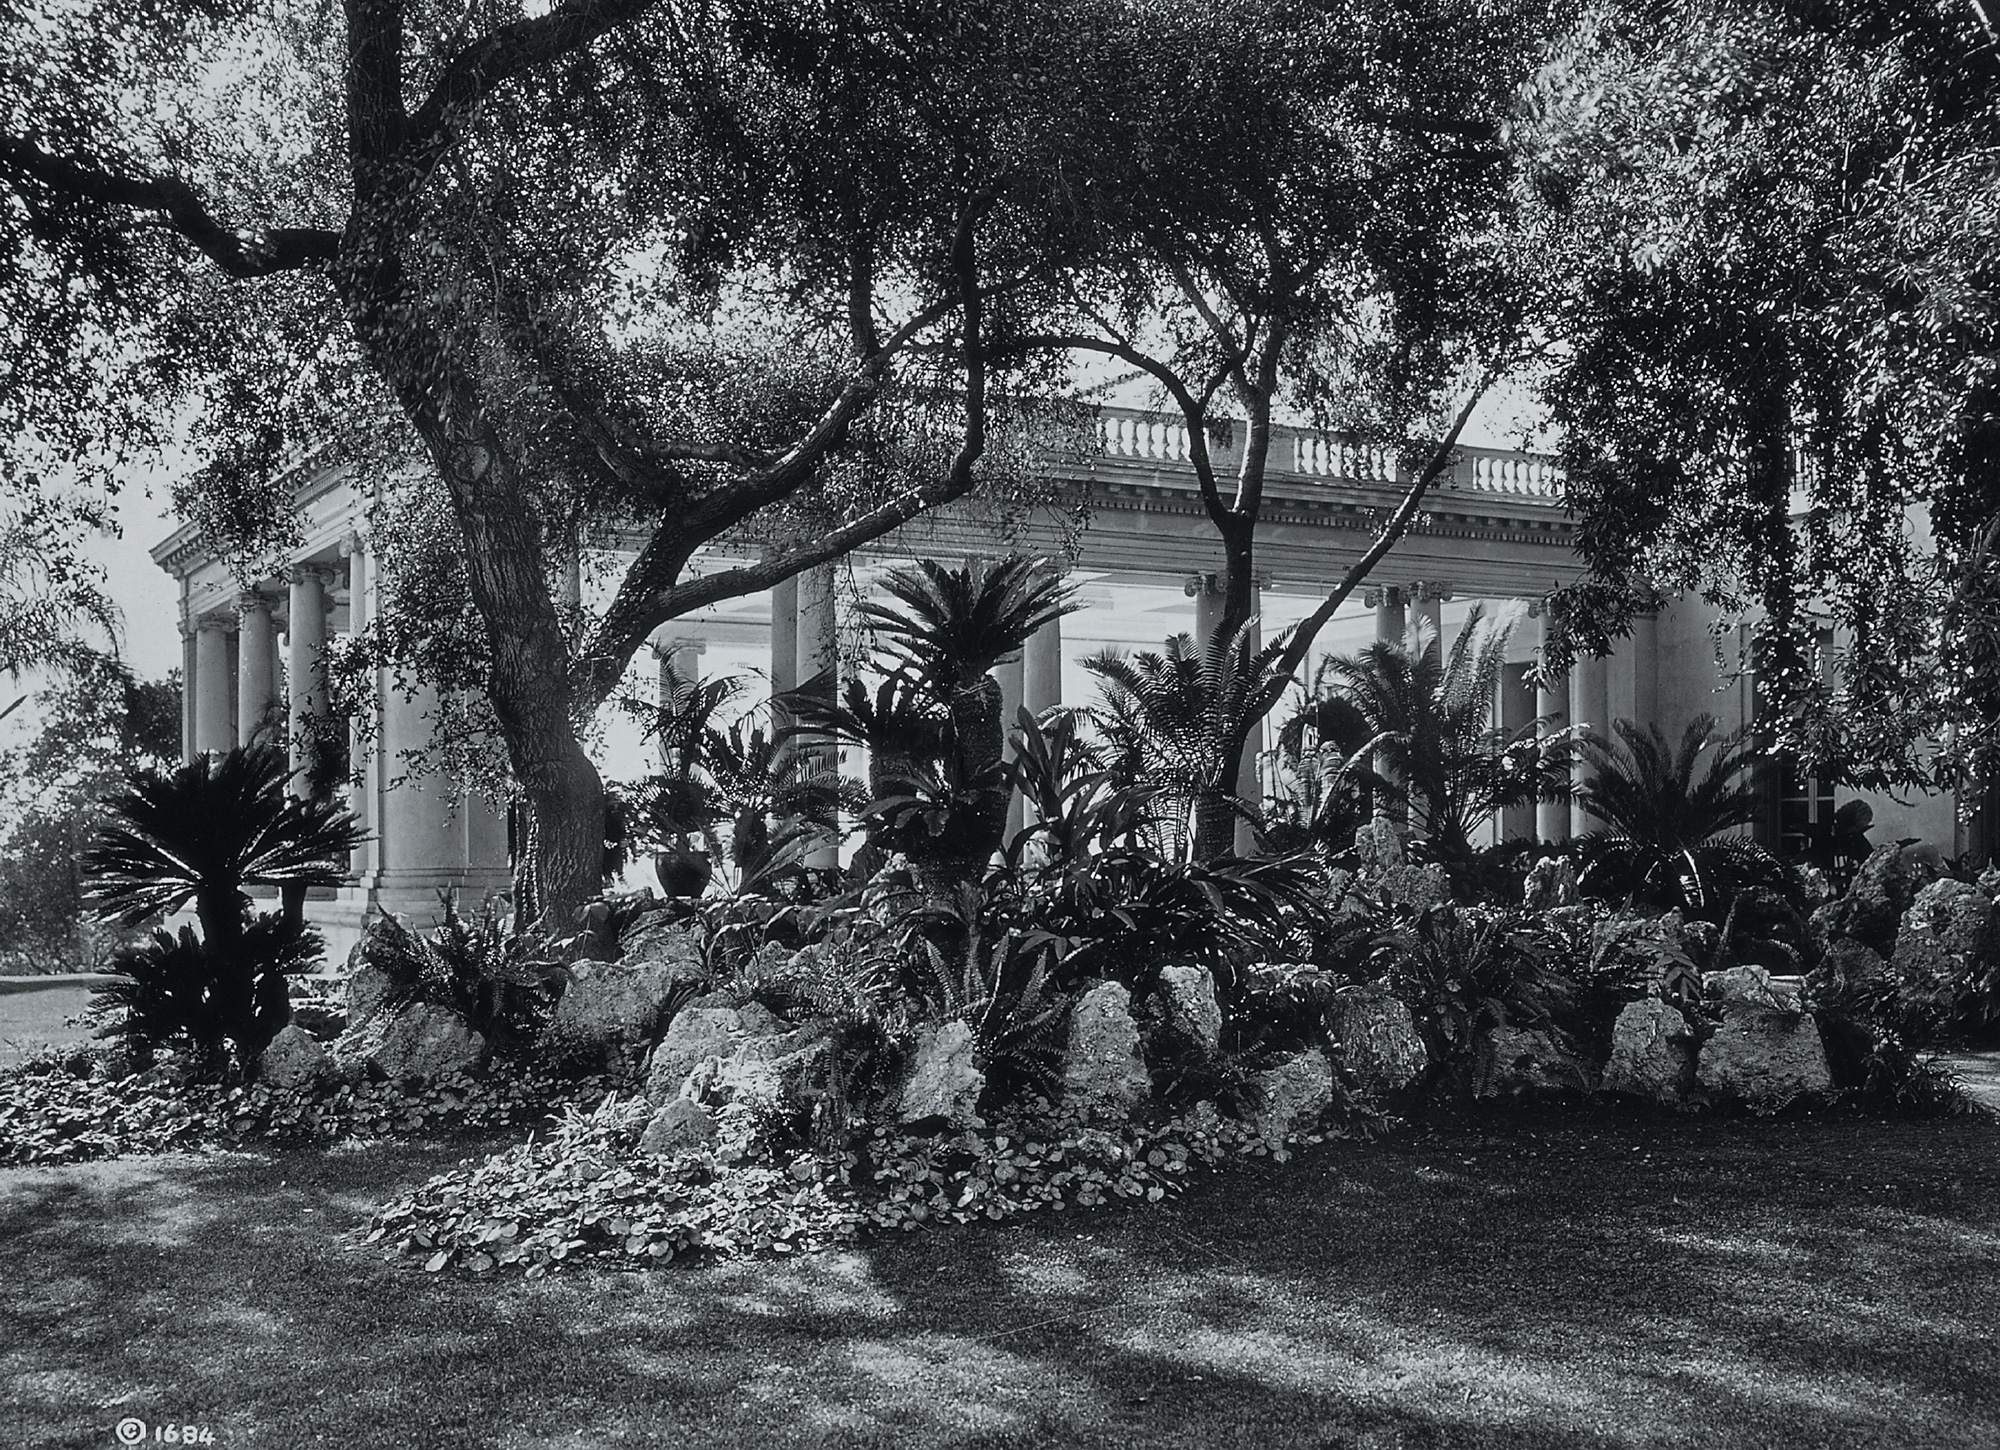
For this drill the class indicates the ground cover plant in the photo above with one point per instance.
(1524, 1283)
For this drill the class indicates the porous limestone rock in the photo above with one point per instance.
(613, 1004)
(1104, 1073)
(1652, 1053)
(367, 990)
(1885, 886)
(681, 1125)
(662, 937)
(1948, 927)
(1292, 1096)
(1378, 845)
(1191, 998)
(1767, 1052)
(1551, 883)
(772, 1072)
(944, 1080)
(696, 1034)
(1378, 1037)
(293, 1059)
(417, 1042)
(1419, 888)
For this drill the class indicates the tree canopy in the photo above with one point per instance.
(1773, 285)
(696, 271)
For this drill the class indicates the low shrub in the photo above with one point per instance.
(587, 1193)
(55, 1110)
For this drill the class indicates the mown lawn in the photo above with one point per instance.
(33, 1014)
(1579, 1281)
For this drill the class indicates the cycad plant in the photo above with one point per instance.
(1169, 719)
(1433, 747)
(954, 625)
(932, 727)
(1666, 813)
(202, 835)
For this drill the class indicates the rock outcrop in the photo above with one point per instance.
(1767, 1052)
(945, 1082)
(1652, 1053)
(1104, 1071)
(1379, 1042)
(1292, 1096)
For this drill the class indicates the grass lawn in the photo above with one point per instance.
(36, 1014)
(1580, 1281)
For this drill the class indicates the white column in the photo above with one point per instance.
(188, 748)
(1392, 624)
(307, 635)
(362, 785)
(818, 665)
(784, 636)
(1390, 621)
(1646, 670)
(1517, 711)
(256, 668)
(214, 730)
(1249, 784)
(1206, 592)
(1588, 705)
(1552, 704)
(1430, 609)
(1041, 668)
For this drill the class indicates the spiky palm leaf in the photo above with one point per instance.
(956, 624)
(1667, 812)
(1432, 742)
(1173, 719)
(204, 832)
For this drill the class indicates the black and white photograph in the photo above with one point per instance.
(1213, 724)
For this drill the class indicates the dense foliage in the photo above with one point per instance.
(202, 835)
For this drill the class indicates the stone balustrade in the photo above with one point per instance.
(1138, 436)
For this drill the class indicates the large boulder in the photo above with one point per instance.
(696, 1034)
(1378, 1037)
(1292, 1096)
(1749, 988)
(661, 937)
(1104, 1073)
(417, 1042)
(1190, 993)
(293, 1060)
(1534, 1060)
(1767, 1052)
(609, 1006)
(1885, 886)
(1551, 882)
(1948, 928)
(683, 1125)
(1652, 1053)
(1415, 888)
(739, 1041)
(388, 953)
(772, 1073)
(944, 1080)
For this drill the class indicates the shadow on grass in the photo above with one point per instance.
(1531, 1283)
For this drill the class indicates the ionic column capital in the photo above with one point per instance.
(302, 573)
